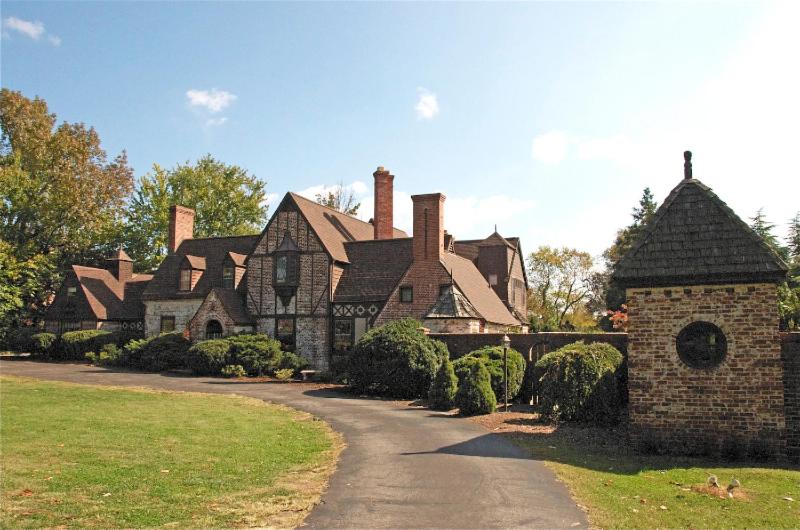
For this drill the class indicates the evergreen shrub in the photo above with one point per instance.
(492, 356)
(443, 388)
(396, 359)
(156, 353)
(580, 382)
(208, 357)
(475, 394)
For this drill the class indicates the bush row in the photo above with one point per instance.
(256, 355)
(72, 345)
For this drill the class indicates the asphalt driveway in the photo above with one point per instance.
(404, 467)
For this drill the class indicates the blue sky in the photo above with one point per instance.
(547, 119)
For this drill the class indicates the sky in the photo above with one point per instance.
(546, 119)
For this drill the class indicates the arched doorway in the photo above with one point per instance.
(213, 329)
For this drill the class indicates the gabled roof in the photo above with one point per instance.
(695, 238)
(107, 298)
(453, 304)
(212, 250)
(197, 262)
(334, 228)
(237, 259)
(233, 302)
(474, 286)
(119, 255)
(374, 270)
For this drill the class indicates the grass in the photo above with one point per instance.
(622, 489)
(100, 457)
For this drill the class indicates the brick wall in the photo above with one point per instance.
(791, 399)
(426, 278)
(687, 410)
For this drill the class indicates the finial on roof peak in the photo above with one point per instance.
(687, 164)
(495, 228)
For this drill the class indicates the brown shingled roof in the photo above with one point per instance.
(695, 238)
(212, 250)
(334, 228)
(477, 290)
(233, 302)
(453, 304)
(374, 270)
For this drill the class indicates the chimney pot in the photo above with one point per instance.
(687, 164)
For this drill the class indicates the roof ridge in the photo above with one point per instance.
(219, 237)
(315, 203)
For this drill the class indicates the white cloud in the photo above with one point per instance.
(358, 188)
(427, 104)
(212, 100)
(215, 122)
(32, 29)
(550, 147)
(270, 199)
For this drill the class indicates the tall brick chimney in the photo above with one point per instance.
(383, 216)
(428, 226)
(181, 226)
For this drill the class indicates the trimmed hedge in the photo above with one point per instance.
(493, 360)
(73, 345)
(43, 343)
(257, 353)
(156, 353)
(209, 357)
(396, 359)
(443, 388)
(580, 382)
(475, 394)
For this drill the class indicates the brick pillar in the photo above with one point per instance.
(428, 226)
(181, 226)
(383, 216)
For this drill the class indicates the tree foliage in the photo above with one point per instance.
(340, 198)
(560, 284)
(227, 201)
(61, 202)
(789, 291)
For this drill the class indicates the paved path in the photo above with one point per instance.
(403, 467)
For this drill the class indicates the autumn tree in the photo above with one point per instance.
(560, 284)
(340, 198)
(61, 201)
(227, 201)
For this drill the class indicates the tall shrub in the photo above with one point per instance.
(259, 354)
(492, 356)
(396, 359)
(475, 394)
(444, 387)
(579, 382)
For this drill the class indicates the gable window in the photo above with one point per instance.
(280, 268)
(287, 259)
(407, 294)
(284, 332)
(167, 323)
(443, 289)
(493, 279)
(71, 291)
(228, 277)
(185, 280)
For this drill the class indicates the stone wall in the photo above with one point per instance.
(688, 410)
(791, 399)
(212, 309)
(182, 310)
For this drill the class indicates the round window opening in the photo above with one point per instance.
(702, 345)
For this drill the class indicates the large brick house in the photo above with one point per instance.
(316, 279)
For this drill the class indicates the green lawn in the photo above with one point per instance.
(86, 456)
(621, 489)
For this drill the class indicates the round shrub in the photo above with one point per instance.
(396, 359)
(42, 343)
(492, 356)
(474, 395)
(208, 357)
(157, 353)
(444, 387)
(579, 382)
(74, 345)
(257, 353)
(292, 361)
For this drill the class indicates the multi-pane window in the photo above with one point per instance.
(407, 294)
(342, 335)
(281, 265)
(167, 323)
(71, 291)
(228, 277)
(185, 280)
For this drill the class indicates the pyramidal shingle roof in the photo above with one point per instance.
(695, 238)
(453, 304)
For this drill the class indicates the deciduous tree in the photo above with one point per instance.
(339, 198)
(560, 281)
(227, 201)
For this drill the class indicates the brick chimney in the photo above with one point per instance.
(120, 265)
(428, 226)
(383, 216)
(181, 226)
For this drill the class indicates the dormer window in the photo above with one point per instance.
(71, 291)
(186, 279)
(228, 275)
